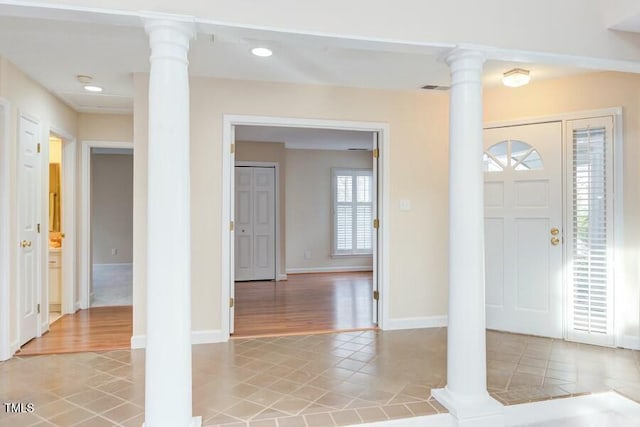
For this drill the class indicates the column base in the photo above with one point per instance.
(476, 411)
(195, 422)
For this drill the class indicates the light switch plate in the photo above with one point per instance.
(405, 205)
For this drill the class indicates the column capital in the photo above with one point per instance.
(458, 54)
(169, 35)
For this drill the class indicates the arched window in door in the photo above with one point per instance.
(512, 154)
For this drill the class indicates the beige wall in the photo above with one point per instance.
(589, 92)
(105, 127)
(28, 97)
(111, 208)
(418, 156)
(309, 216)
(417, 171)
(273, 152)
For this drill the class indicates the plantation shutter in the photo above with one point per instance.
(591, 246)
(353, 211)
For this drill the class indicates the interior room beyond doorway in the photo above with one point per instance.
(305, 243)
(111, 227)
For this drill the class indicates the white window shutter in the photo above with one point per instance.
(591, 237)
(352, 211)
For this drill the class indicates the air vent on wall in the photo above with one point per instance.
(358, 149)
(435, 87)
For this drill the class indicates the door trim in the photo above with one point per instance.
(5, 231)
(228, 162)
(69, 223)
(621, 340)
(84, 298)
(276, 166)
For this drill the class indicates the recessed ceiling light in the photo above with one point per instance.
(261, 51)
(92, 88)
(516, 77)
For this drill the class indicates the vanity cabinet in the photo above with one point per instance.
(55, 279)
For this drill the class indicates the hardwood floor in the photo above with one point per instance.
(95, 329)
(304, 303)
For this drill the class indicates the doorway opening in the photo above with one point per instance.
(313, 186)
(111, 219)
(55, 233)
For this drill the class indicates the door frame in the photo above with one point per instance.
(84, 295)
(5, 231)
(276, 166)
(620, 340)
(69, 210)
(228, 162)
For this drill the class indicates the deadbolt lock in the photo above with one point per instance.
(555, 241)
(554, 231)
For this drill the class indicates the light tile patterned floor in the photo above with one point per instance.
(317, 380)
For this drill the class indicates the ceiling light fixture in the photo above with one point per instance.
(92, 88)
(86, 83)
(261, 51)
(516, 77)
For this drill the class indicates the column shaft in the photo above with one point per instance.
(466, 348)
(466, 394)
(168, 347)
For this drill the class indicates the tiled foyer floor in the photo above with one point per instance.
(316, 380)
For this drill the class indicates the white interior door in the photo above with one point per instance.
(28, 194)
(254, 223)
(523, 228)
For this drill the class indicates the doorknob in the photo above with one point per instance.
(554, 231)
(25, 243)
(555, 241)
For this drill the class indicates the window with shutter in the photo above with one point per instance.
(352, 211)
(591, 232)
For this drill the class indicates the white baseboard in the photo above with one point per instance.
(207, 336)
(138, 341)
(328, 269)
(415, 323)
(14, 347)
(629, 341)
(281, 277)
(210, 336)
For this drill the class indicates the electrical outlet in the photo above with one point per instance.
(114, 251)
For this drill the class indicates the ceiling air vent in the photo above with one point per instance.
(435, 87)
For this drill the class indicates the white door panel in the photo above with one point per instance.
(254, 223)
(29, 192)
(244, 224)
(523, 203)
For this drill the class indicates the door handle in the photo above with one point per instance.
(25, 243)
(555, 241)
(554, 231)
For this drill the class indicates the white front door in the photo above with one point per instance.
(254, 223)
(28, 194)
(523, 228)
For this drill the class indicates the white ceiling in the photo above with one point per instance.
(53, 52)
(306, 138)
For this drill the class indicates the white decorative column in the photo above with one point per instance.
(465, 395)
(168, 346)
